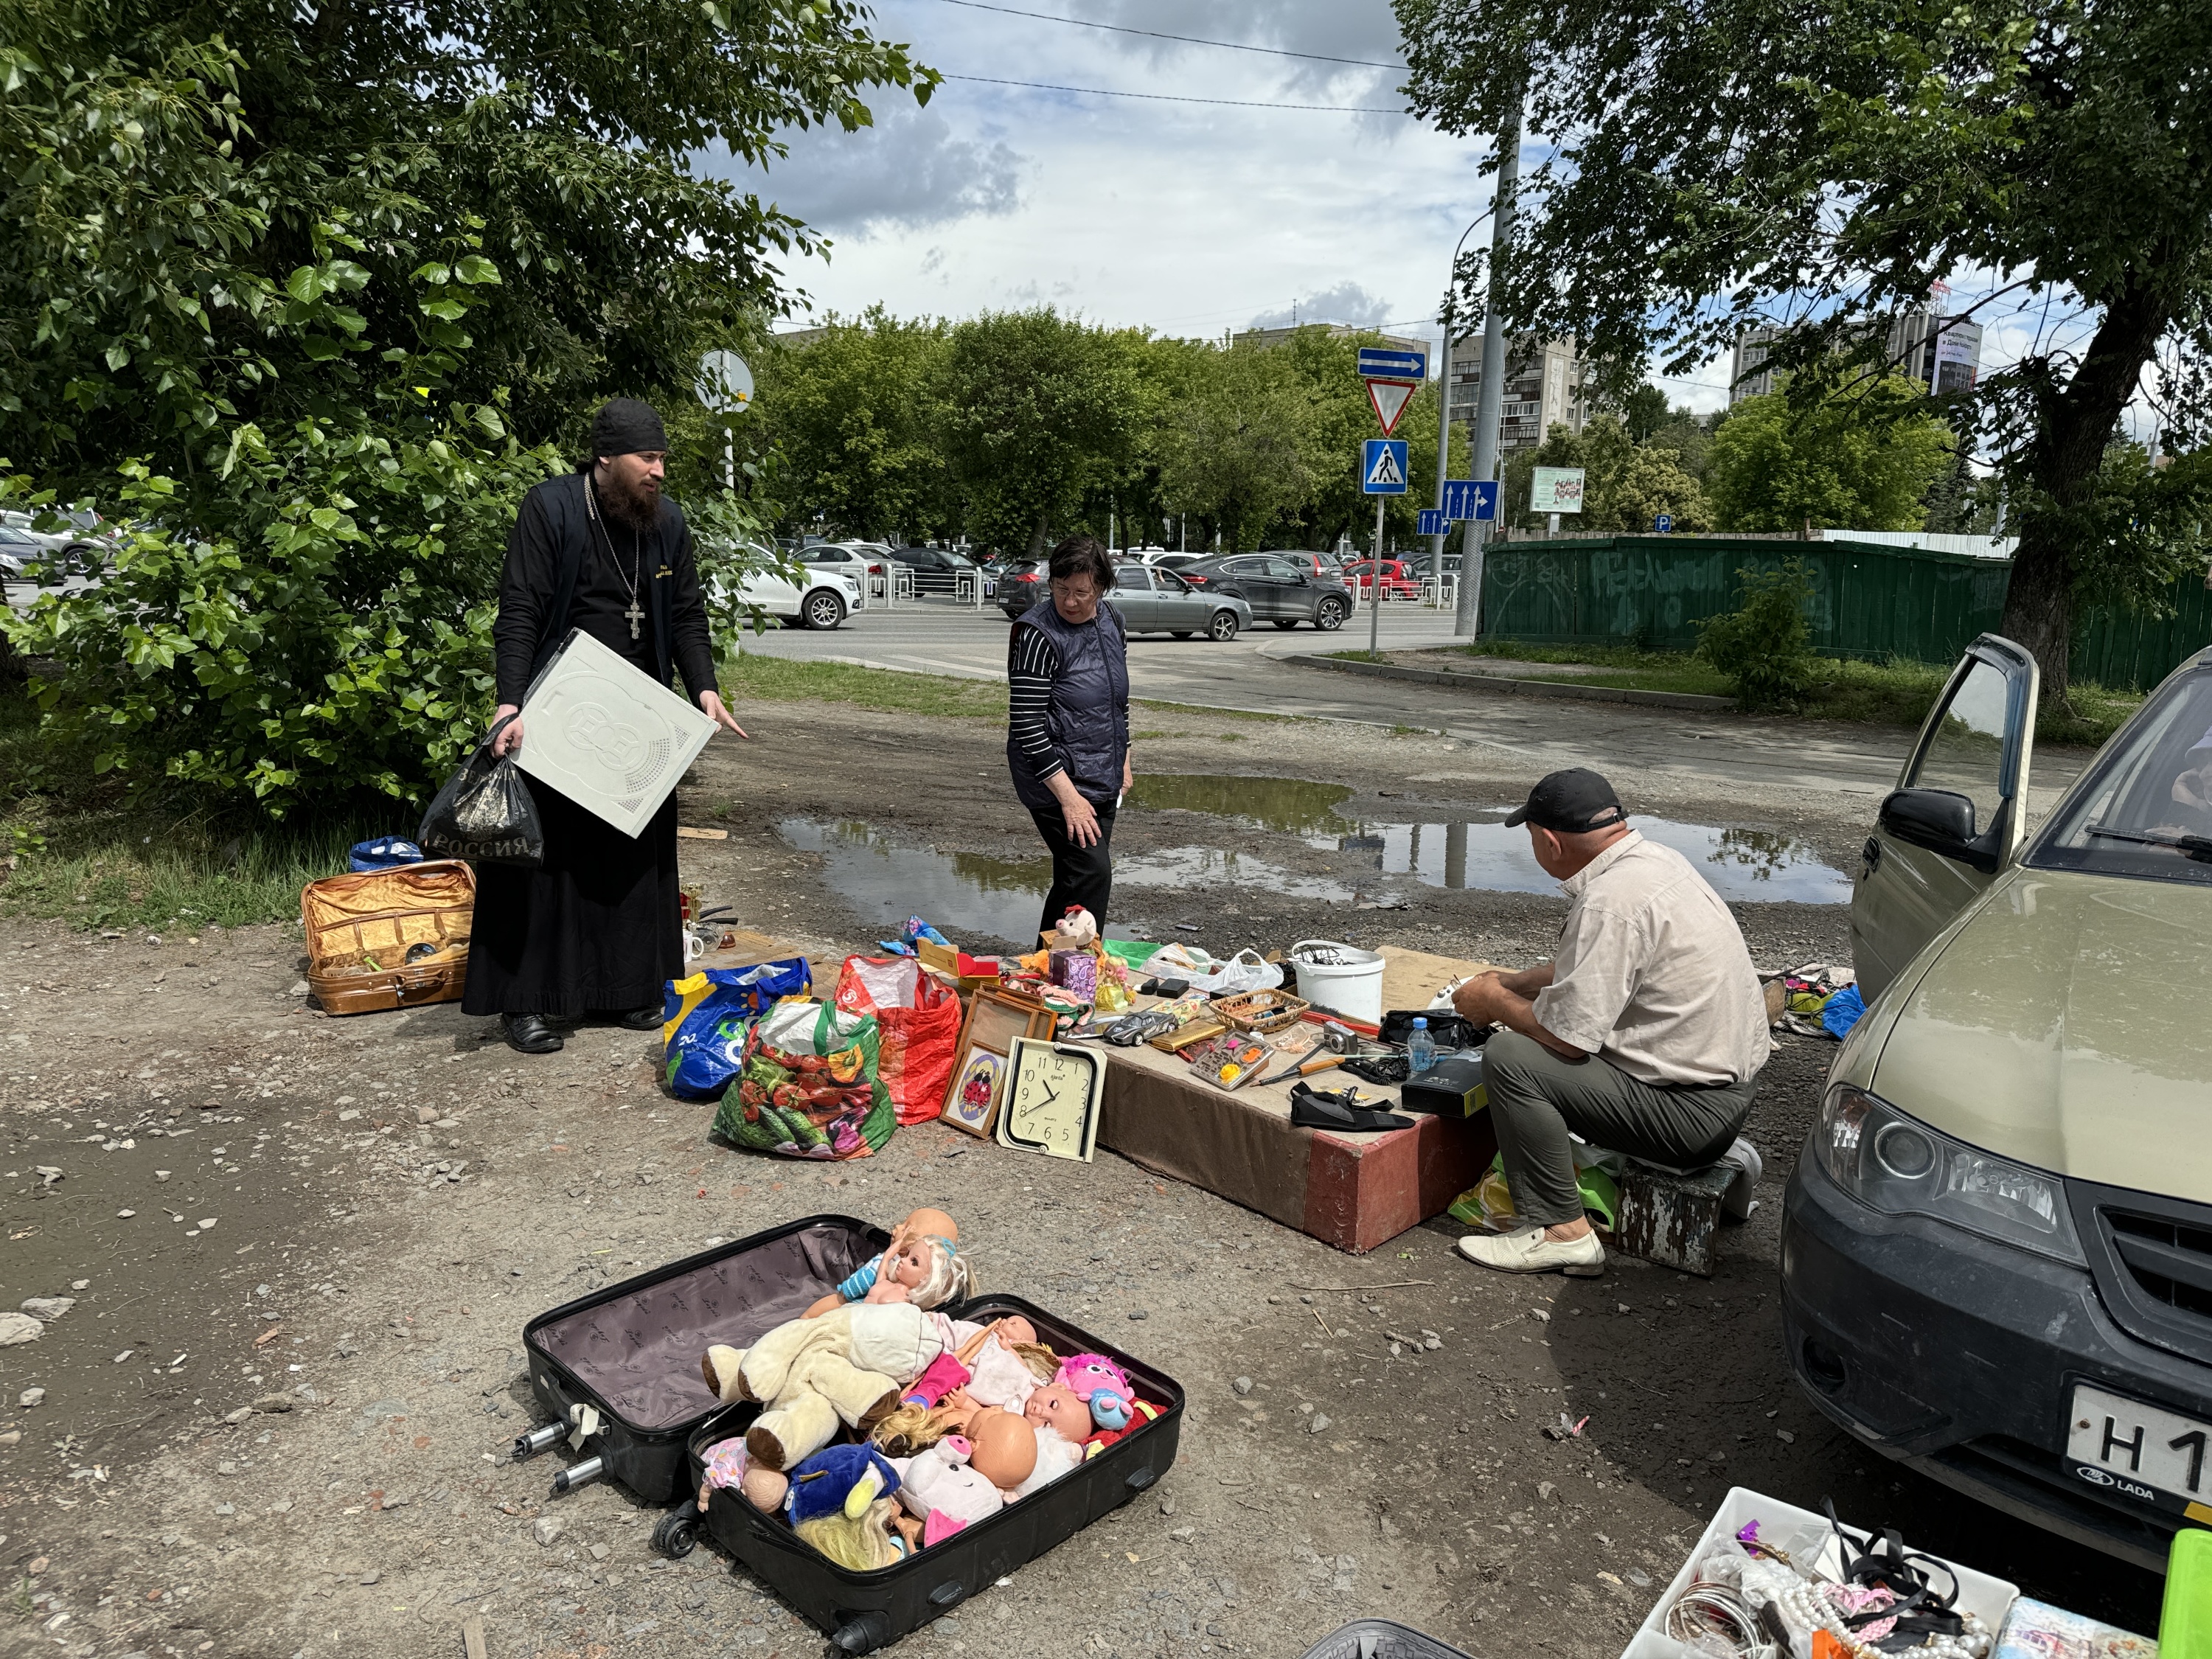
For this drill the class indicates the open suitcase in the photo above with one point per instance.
(862, 1611)
(625, 1361)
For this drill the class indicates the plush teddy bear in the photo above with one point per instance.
(811, 1374)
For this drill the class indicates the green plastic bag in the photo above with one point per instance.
(1489, 1202)
(807, 1085)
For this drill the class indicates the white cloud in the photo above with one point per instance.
(910, 171)
(1347, 302)
(1188, 218)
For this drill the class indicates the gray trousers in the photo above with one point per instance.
(1536, 1098)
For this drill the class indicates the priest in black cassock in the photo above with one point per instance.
(596, 928)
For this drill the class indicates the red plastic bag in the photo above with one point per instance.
(919, 1020)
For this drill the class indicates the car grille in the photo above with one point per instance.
(2152, 1257)
(2171, 1262)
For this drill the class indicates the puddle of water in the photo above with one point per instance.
(1484, 856)
(1290, 806)
(969, 895)
(1740, 864)
(965, 894)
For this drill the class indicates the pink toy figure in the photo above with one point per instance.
(945, 1373)
(1101, 1384)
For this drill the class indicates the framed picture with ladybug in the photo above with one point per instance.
(1052, 1095)
(996, 1020)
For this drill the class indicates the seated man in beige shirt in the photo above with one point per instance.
(1644, 1035)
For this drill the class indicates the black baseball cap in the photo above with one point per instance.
(1569, 802)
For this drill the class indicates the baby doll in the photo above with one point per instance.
(1059, 1409)
(921, 1264)
(729, 1464)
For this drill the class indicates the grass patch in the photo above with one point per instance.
(81, 850)
(778, 679)
(1844, 689)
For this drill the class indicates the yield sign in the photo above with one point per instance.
(1390, 398)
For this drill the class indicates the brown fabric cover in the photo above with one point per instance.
(639, 1351)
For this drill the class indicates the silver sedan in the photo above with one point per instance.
(1149, 601)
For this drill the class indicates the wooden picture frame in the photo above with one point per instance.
(1050, 1099)
(996, 1020)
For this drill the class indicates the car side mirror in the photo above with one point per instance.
(1940, 820)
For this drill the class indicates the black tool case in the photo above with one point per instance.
(862, 1611)
(631, 1350)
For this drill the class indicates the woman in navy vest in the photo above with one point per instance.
(1067, 737)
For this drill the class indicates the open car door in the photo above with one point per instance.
(1956, 816)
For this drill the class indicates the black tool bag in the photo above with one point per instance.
(485, 812)
(1446, 1030)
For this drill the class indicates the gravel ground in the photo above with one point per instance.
(300, 1252)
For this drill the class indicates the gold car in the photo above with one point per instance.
(1997, 1249)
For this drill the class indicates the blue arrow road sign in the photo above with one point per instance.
(1378, 364)
(1382, 467)
(1470, 498)
(1433, 522)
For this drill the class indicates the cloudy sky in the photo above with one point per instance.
(1188, 218)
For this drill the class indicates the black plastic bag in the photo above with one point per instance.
(485, 813)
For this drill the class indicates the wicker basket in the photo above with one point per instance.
(1260, 1011)
(360, 927)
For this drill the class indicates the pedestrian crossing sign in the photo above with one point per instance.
(1382, 467)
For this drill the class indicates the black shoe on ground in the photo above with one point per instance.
(529, 1033)
(642, 1019)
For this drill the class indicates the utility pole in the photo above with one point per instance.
(1490, 394)
(1444, 398)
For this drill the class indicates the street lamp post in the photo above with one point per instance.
(1490, 395)
(1443, 399)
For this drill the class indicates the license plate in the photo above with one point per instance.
(2125, 1446)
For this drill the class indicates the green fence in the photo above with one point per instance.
(1868, 600)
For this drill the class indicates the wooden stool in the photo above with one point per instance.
(1671, 1218)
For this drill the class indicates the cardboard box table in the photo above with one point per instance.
(1354, 1191)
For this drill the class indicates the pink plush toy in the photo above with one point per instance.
(1102, 1385)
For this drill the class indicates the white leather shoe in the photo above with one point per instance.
(1535, 1251)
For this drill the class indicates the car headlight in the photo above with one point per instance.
(1896, 1164)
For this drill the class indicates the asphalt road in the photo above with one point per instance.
(1257, 672)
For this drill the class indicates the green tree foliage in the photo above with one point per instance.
(1703, 167)
(1762, 647)
(1625, 485)
(854, 414)
(1644, 411)
(1862, 460)
(304, 293)
(1240, 448)
(1038, 409)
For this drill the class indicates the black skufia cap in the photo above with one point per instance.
(1569, 802)
(625, 426)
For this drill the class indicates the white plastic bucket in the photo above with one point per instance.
(1354, 988)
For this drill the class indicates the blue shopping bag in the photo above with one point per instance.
(707, 1016)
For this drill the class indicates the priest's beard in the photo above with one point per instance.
(636, 504)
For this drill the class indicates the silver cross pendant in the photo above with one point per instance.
(635, 616)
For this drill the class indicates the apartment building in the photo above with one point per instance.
(1943, 354)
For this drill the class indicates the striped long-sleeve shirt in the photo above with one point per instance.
(1032, 665)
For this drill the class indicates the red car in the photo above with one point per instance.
(1399, 582)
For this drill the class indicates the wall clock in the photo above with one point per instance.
(1052, 1099)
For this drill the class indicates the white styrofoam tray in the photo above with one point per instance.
(1978, 1593)
(608, 735)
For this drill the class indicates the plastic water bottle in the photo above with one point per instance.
(1420, 1047)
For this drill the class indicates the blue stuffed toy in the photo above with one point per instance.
(838, 1480)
